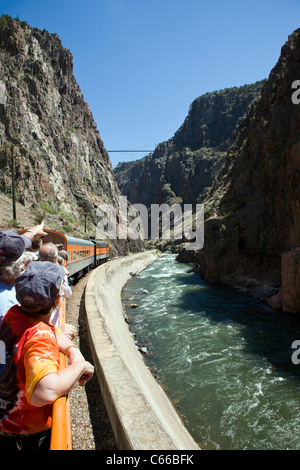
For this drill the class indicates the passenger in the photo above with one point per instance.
(66, 286)
(48, 252)
(66, 292)
(65, 257)
(8, 273)
(36, 245)
(26, 258)
(60, 261)
(30, 379)
(12, 247)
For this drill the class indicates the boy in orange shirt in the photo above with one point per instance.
(30, 378)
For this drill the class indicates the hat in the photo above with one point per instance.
(13, 245)
(40, 284)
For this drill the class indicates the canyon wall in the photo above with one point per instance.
(252, 213)
(182, 169)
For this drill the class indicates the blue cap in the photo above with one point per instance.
(40, 284)
(13, 245)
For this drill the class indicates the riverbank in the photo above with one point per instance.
(141, 416)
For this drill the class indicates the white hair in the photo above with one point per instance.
(11, 269)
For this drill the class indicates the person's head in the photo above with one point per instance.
(38, 288)
(26, 258)
(48, 252)
(12, 245)
(60, 260)
(64, 255)
(36, 244)
(9, 270)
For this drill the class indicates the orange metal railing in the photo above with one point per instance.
(61, 435)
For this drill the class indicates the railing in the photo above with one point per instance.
(61, 435)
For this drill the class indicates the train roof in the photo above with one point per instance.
(59, 238)
(78, 241)
(101, 243)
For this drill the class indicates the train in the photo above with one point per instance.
(83, 254)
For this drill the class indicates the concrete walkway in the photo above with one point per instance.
(141, 415)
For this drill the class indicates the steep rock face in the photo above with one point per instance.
(289, 299)
(66, 166)
(183, 168)
(253, 209)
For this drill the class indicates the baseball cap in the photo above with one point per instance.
(40, 284)
(13, 245)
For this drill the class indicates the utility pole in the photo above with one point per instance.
(12, 156)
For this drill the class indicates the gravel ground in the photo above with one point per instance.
(91, 428)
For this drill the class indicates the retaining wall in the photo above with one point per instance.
(141, 415)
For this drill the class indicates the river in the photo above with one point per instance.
(225, 360)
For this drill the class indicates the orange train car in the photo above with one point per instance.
(83, 254)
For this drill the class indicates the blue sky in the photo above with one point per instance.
(141, 63)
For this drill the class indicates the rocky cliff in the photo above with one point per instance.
(252, 213)
(65, 171)
(183, 168)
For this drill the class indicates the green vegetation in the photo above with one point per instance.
(68, 228)
(4, 20)
(39, 217)
(47, 208)
(14, 223)
(67, 216)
